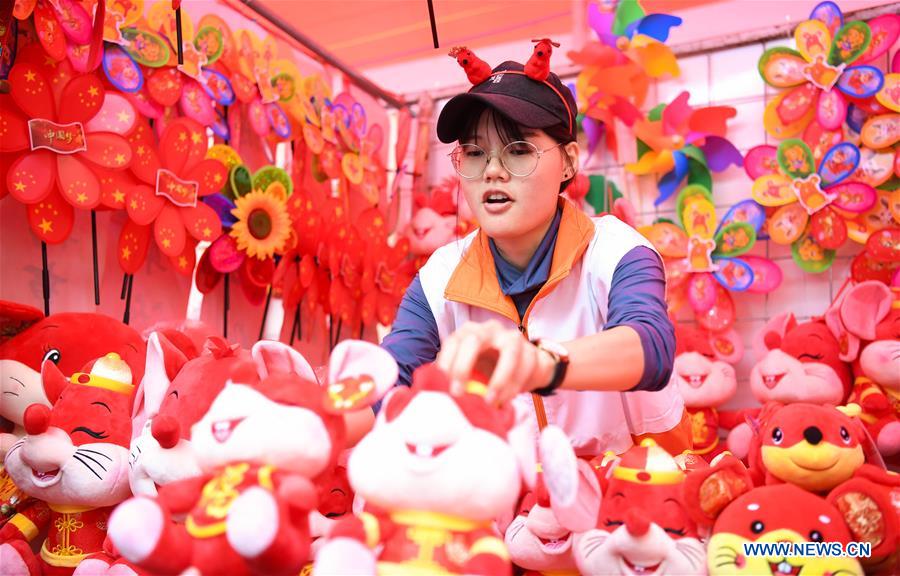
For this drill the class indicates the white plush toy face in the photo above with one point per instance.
(703, 382)
(49, 467)
(536, 541)
(244, 425)
(880, 361)
(430, 457)
(152, 466)
(619, 552)
(779, 377)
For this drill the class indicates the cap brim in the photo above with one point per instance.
(455, 114)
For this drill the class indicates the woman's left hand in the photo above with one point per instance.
(515, 365)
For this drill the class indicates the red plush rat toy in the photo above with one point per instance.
(536, 540)
(538, 65)
(477, 70)
(640, 523)
(867, 319)
(264, 439)
(435, 471)
(797, 363)
(69, 339)
(820, 449)
(705, 377)
(722, 497)
(74, 458)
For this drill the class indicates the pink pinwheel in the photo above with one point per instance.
(813, 205)
(61, 135)
(705, 261)
(172, 183)
(819, 77)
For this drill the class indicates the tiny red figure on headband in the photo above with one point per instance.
(538, 66)
(477, 70)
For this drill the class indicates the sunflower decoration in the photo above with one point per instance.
(677, 141)
(706, 261)
(253, 210)
(827, 73)
(618, 67)
(813, 207)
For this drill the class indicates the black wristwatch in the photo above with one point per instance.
(561, 356)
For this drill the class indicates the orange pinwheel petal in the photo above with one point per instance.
(107, 150)
(52, 218)
(134, 242)
(143, 205)
(210, 174)
(31, 178)
(81, 99)
(31, 91)
(201, 222)
(168, 229)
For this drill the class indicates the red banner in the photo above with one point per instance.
(60, 138)
(179, 192)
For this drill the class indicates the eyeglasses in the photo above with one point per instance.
(518, 158)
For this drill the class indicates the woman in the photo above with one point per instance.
(551, 301)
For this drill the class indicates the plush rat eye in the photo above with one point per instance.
(777, 435)
(757, 527)
(845, 436)
(815, 536)
(51, 355)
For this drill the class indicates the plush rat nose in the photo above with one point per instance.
(636, 522)
(166, 431)
(812, 435)
(37, 419)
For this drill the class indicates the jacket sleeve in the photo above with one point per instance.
(413, 340)
(637, 298)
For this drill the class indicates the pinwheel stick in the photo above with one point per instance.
(434, 35)
(126, 318)
(262, 324)
(45, 278)
(178, 32)
(226, 306)
(297, 328)
(96, 268)
(124, 286)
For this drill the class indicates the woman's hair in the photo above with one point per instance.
(510, 131)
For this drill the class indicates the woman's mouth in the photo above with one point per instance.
(496, 202)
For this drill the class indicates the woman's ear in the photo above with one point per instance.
(570, 161)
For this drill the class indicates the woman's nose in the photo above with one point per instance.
(495, 169)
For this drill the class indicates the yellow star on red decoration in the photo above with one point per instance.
(20, 186)
(126, 253)
(46, 226)
(119, 196)
(30, 75)
(93, 91)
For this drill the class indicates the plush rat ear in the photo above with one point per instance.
(53, 380)
(865, 504)
(574, 489)
(727, 346)
(769, 338)
(865, 305)
(354, 359)
(163, 362)
(277, 358)
(848, 344)
(15, 318)
(708, 491)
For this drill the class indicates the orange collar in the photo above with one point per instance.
(474, 281)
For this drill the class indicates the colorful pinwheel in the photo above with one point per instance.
(60, 134)
(812, 204)
(253, 211)
(705, 261)
(826, 47)
(618, 68)
(678, 141)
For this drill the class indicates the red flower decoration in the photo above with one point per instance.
(61, 136)
(173, 182)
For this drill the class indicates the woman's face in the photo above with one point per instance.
(515, 208)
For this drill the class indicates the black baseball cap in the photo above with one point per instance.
(528, 102)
